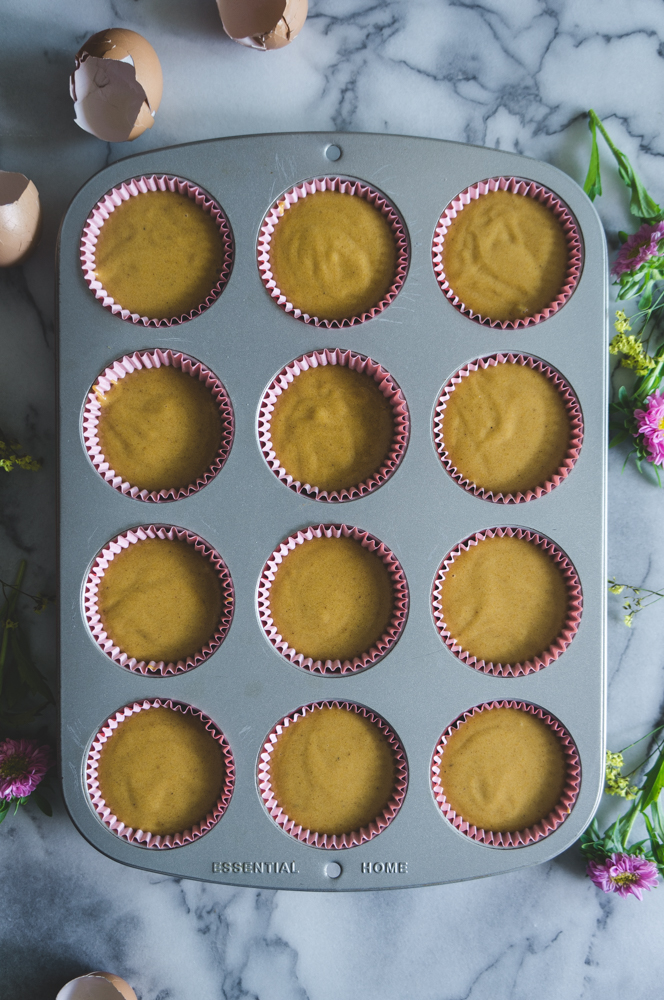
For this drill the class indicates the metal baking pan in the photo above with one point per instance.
(420, 687)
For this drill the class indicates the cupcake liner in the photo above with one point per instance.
(399, 612)
(155, 359)
(515, 185)
(345, 186)
(333, 841)
(545, 826)
(132, 189)
(574, 606)
(573, 412)
(143, 837)
(93, 618)
(388, 387)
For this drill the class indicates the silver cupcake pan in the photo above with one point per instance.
(420, 513)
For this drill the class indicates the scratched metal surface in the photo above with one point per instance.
(245, 338)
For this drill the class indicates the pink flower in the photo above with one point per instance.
(623, 873)
(651, 424)
(639, 248)
(23, 764)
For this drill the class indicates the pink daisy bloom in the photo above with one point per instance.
(639, 248)
(650, 423)
(23, 764)
(625, 874)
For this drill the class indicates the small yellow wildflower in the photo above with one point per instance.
(616, 588)
(616, 784)
(622, 324)
(635, 355)
(629, 619)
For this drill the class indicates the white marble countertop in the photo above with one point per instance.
(513, 74)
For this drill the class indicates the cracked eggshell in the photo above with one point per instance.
(97, 986)
(116, 85)
(263, 24)
(20, 218)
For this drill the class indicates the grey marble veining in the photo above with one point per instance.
(513, 74)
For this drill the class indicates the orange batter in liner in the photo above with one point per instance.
(159, 255)
(503, 770)
(160, 600)
(332, 427)
(159, 428)
(332, 771)
(506, 428)
(505, 256)
(504, 600)
(161, 771)
(331, 599)
(333, 255)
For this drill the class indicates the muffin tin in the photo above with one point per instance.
(246, 687)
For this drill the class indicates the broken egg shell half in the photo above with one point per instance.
(97, 986)
(20, 218)
(263, 24)
(116, 85)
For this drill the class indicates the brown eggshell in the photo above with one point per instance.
(116, 106)
(263, 24)
(20, 218)
(118, 43)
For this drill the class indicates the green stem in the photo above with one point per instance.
(636, 742)
(6, 615)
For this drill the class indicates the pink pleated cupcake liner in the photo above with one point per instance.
(133, 188)
(345, 186)
(106, 642)
(144, 837)
(573, 412)
(545, 826)
(530, 189)
(574, 606)
(155, 359)
(333, 841)
(400, 597)
(388, 387)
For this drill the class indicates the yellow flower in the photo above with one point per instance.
(621, 324)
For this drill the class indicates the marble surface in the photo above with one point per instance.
(513, 74)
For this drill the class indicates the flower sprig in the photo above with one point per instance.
(10, 456)
(614, 863)
(636, 599)
(636, 416)
(20, 680)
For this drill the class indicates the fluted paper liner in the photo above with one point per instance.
(93, 618)
(155, 359)
(133, 188)
(546, 825)
(345, 186)
(333, 841)
(399, 607)
(358, 363)
(573, 412)
(144, 837)
(529, 189)
(574, 604)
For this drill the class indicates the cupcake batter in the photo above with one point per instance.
(160, 600)
(506, 428)
(159, 255)
(331, 599)
(161, 771)
(159, 428)
(503, 770)
(333, 255)
(332, 428)
(505, 256)
(332, 771)
(504, 600)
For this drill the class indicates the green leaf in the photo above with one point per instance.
(593, 182)
(653, 784)
(641, 204)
